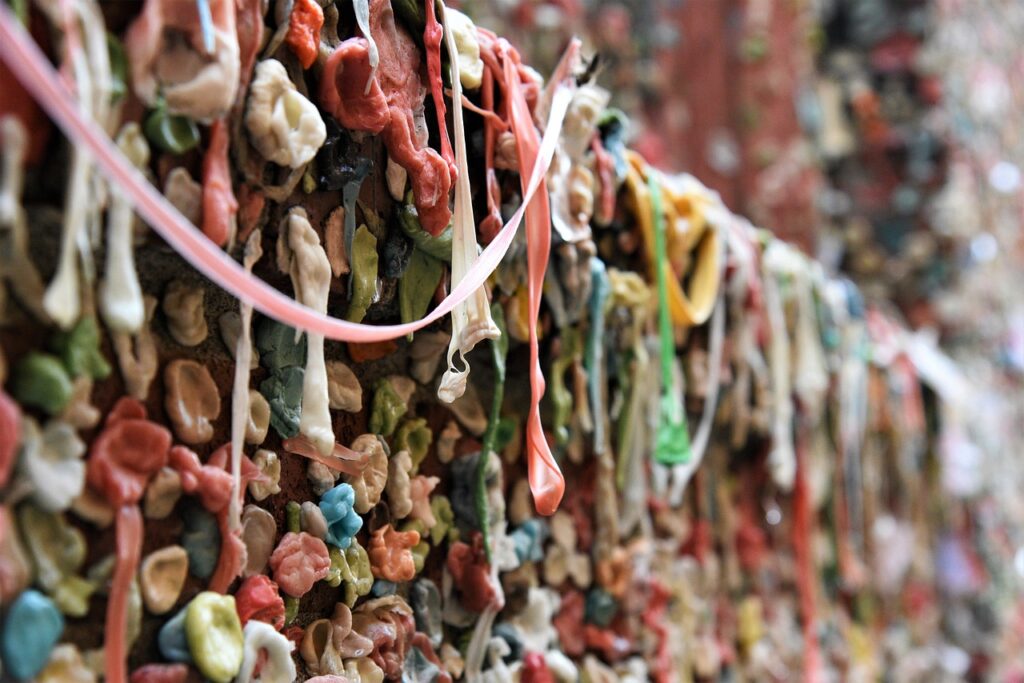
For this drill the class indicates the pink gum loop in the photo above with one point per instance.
(31, 67)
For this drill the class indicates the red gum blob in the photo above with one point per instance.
(258, 598)
(10, 435)
(611, 645)
(126, 408)
(299, 561)
(700, 544)
(388, 109)
(432, 35)
(535, 669)
(468, 566)
(160, 673)
(125, 455)
(421, 642)
(303, 35)
(128, 451)
(219, 203)
(232, 556)
(428, 173)
(751, 544)
(250, 472)
(546, 481)
(211, 484)
(569, 623)
(390, 554)
(295, 634)
(342, 88)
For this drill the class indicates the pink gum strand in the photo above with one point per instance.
(341, 459)
(546, 481)
(31, 67)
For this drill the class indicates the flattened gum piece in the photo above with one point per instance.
(192, 400)
(162, 576)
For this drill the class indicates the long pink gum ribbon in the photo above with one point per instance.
(546, 481)
(25, 60)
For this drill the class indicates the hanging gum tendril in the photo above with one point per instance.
(672, 441)
(490, 225)
(803, 533)
(471, 320)
(123, 458)
(31, 67)
(546, 481)
(240, 388)
(432, 35)
(499, 352)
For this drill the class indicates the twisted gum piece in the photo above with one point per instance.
(546, 480)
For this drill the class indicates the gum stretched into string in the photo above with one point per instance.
(27, 62)
(546, 480)
(672, 441)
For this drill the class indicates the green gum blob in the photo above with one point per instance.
(388, 408)
(672, 439)
(364, 274)
(293, 516)
(445, 516)
(118, 68)
(334, 574)
(415, 437)
(291, 609)
(561, 397)
(170, 133)
(439, 247)
(417, 285)
(355, 570)
(72, 596)
(41, 381)
(279, 345)
(79, 348)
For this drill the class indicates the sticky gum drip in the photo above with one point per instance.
(546, 480)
